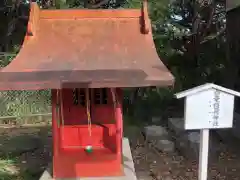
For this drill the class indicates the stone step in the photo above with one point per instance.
(165, 145)
(187, 141)
(227, 134)
(176, 125)
(154, 132)
(236, 126)
(159, 137)
(188, 144)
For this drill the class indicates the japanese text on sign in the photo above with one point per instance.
(216, 104)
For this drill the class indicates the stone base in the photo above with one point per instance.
(188, 141)
(128, 166)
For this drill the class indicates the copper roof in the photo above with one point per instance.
(90, 48)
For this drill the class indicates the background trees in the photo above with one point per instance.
(190, 37)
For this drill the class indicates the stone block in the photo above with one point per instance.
(165, 145)
(188, 144)
(156, 120)
(176, 125)
(155, 133)
(225, 134)
(236, 125)
(193, 142)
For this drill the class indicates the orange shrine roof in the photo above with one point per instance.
(86, 48)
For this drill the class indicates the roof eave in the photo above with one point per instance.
(204, 87)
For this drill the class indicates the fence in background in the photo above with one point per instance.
(21, 106)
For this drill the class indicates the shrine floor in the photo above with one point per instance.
(25, 153)
(128, 165)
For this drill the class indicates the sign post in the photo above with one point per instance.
(203, 154)
(208, 106)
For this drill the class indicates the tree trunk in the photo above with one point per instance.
(233, 49)
(233, 52)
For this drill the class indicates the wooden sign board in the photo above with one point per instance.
(208, 107)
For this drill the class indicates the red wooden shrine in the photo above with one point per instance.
(86, 57)
(71, 132)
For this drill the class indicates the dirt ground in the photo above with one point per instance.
(26, 151)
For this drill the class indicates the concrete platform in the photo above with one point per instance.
(128, 166)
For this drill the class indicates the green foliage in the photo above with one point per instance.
(189, 38)
(61, 4)
(193, 56)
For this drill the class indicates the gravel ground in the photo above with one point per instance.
(149, 163)
(154, 165)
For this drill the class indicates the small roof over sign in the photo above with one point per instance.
(205, 87)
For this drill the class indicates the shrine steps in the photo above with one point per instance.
(78, 162)
(127, 166)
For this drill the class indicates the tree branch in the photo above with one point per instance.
(98, 5)
(209, 23)
(208, 38)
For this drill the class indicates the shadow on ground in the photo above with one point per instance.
(24, 152)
